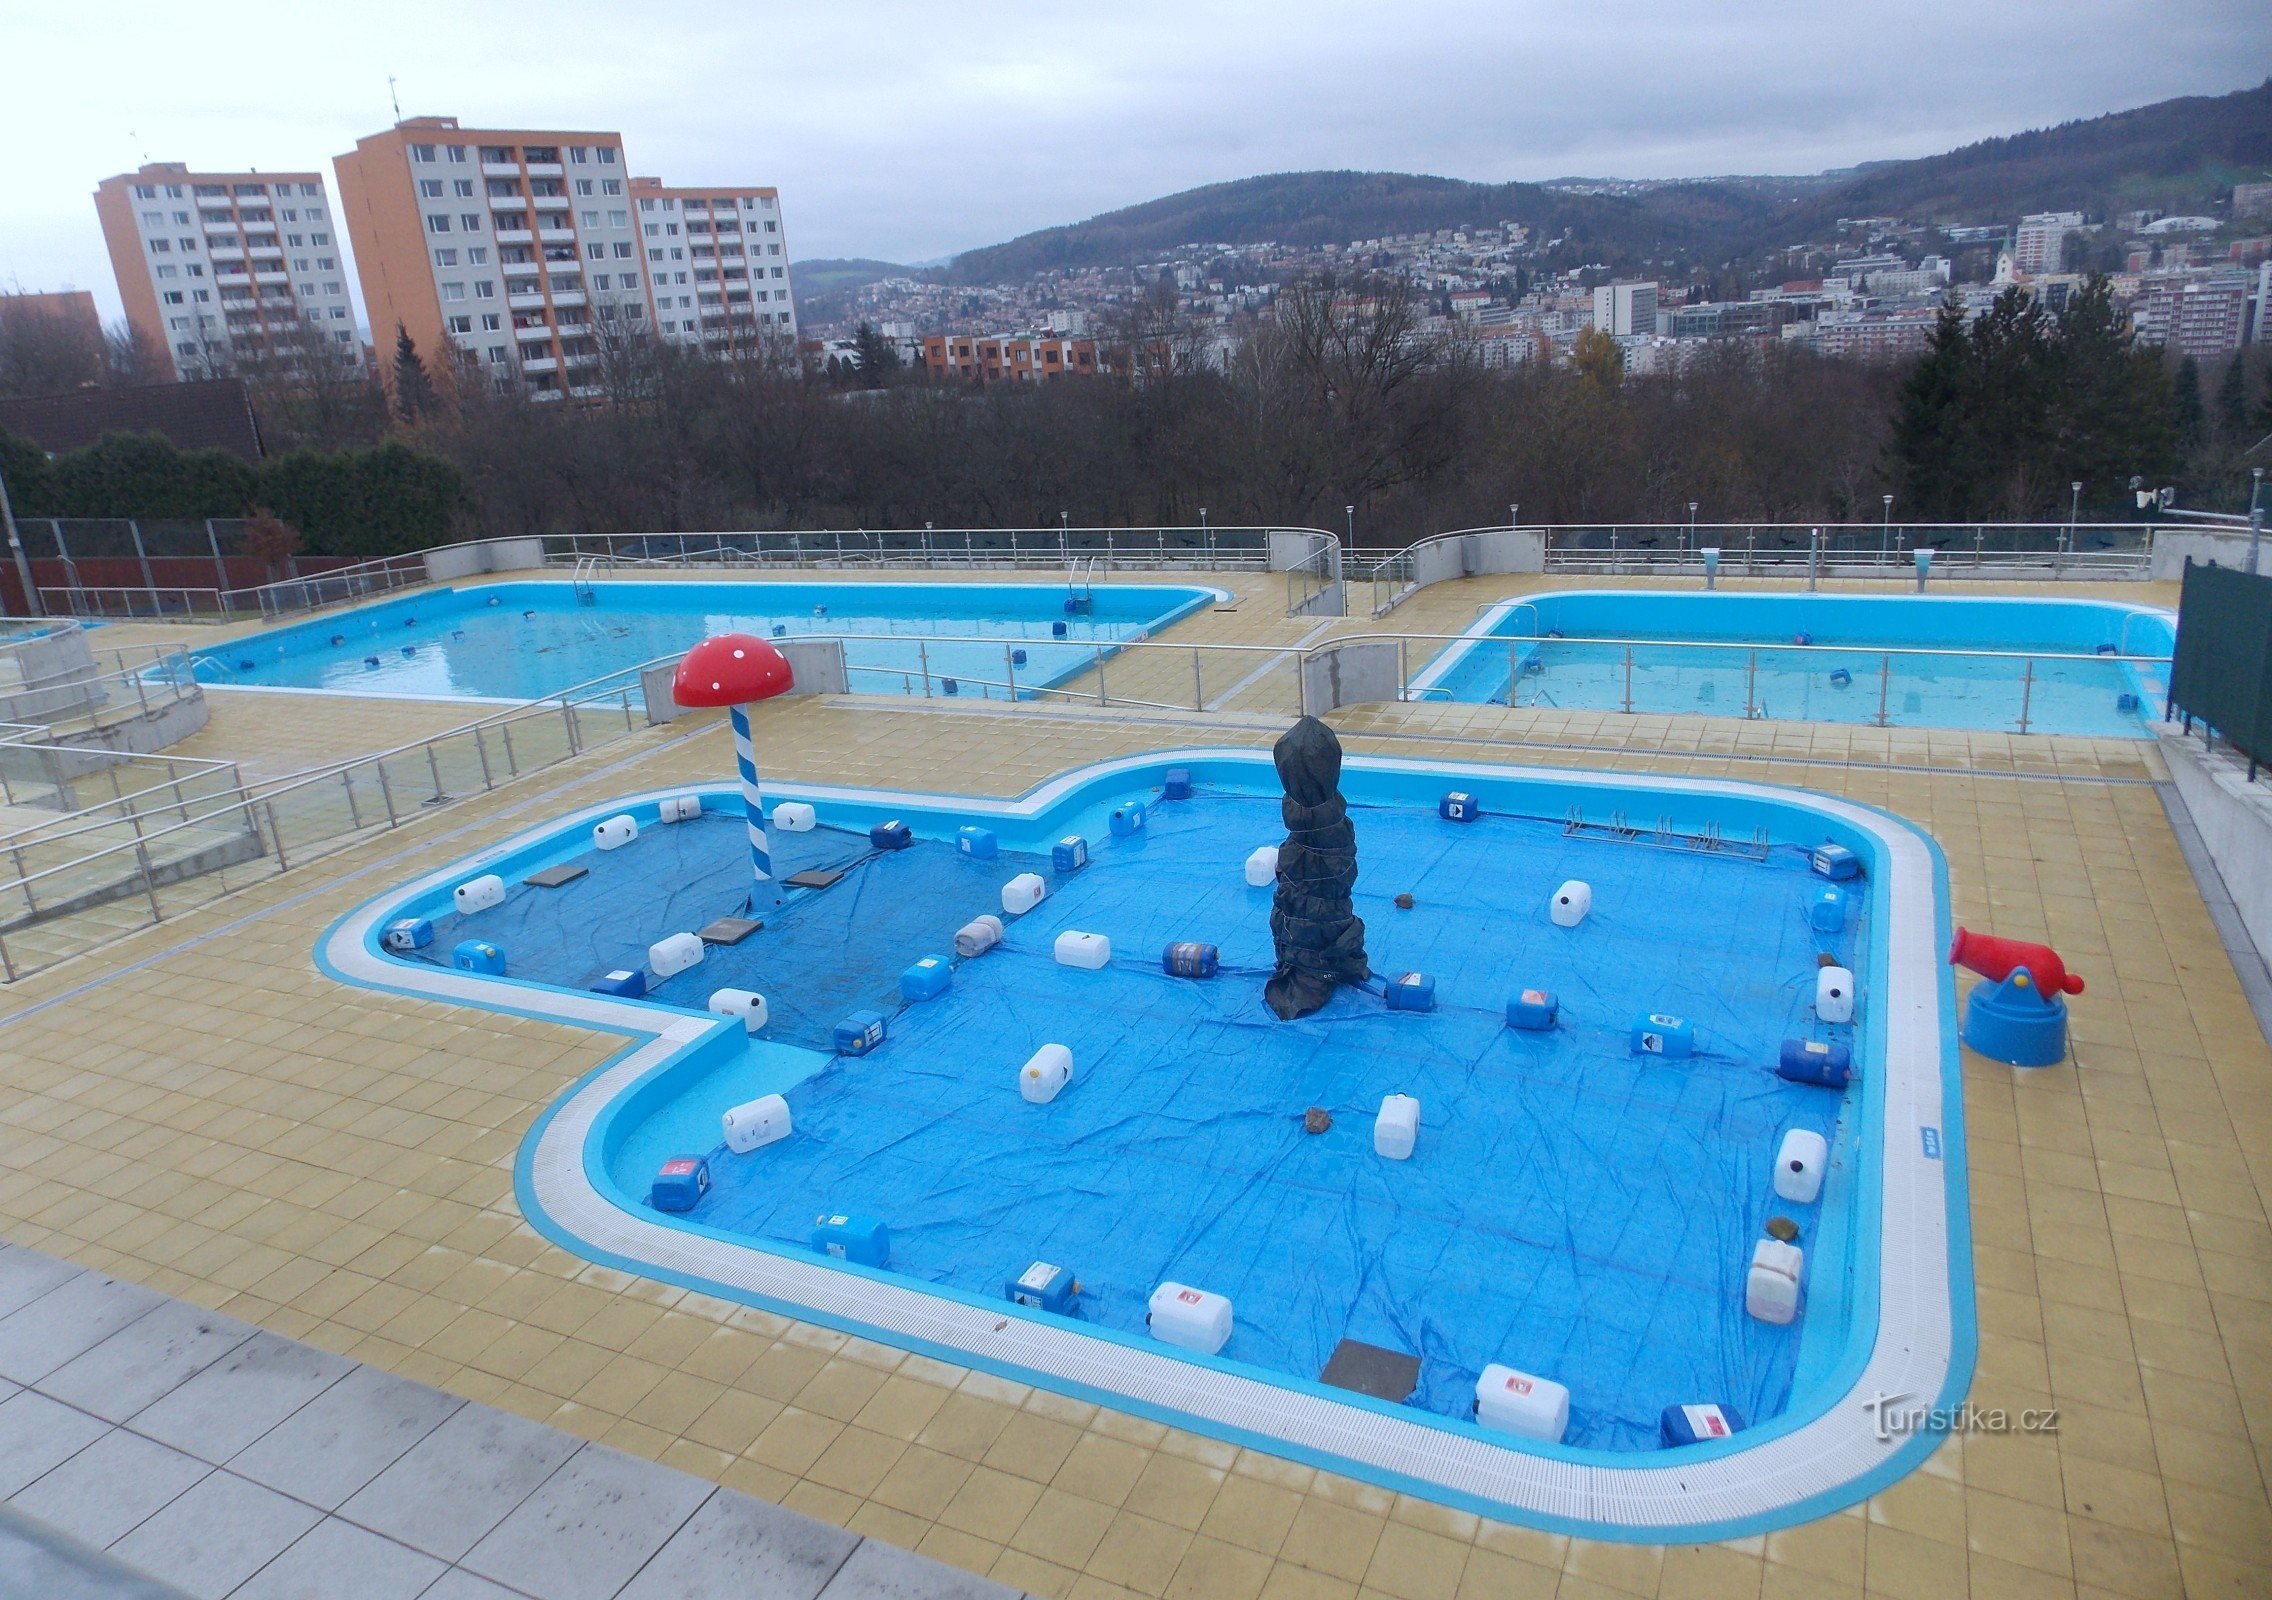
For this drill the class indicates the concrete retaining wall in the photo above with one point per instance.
(489, 555)
(2234, 817)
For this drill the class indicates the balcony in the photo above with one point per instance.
(555, 235)
(568, 297)
(515, 236)
(272, 277)
(533, 332)
(547, 169)
(524, 302)
(509, 202)
(539, 364)
(220, 254)
(500, 169)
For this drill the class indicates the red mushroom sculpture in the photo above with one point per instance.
(735, 670)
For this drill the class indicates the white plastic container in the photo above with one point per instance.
(1262, 867)
(1191, 1318)
(794, 816)
(479, 894)
(1397, 1128)
(746, 1004)
(615, 832)
(1834, 994)
(1522, 1403)
(1800, 1164)
(1045, 1073)
(1771, 1291)
(754, 1123)
(681, 807)
(1022, 893)
(1570, 904)
(1088, 951)
(672, 954)
(977, 936)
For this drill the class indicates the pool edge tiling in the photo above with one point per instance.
(1918, 1292)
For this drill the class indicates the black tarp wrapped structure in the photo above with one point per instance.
(1320, 939)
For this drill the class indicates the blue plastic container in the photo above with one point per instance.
(1656, 1034)
(1458, 806)
(1188, 958)
(2016, 1023)
(927, 979)
(949, 686)
(1127, 820)
(1533, 1009)
(977, 843)
(1057, 630)
(1816, 1061)
(861, 1240)
(2125, 702)
(1017, 658)
(406, 934)
(1698, 1424)
(1177, 784)
(1415, 991)
(1826, 912)
(478, 955)
(892, 835)
(1069, 854)
(629, 985)
(680, 1184)
(1044, 1287)
(1834, 861)
(859, 1033)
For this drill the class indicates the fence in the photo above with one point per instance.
(2222, 674)
(2058, 549)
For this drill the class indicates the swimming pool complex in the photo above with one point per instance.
(515, 642)
(1573, 1209)
(2030, 665)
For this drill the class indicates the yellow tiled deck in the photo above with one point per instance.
(196, 1108)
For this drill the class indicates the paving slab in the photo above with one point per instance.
(36, 1436)
(589, 1527)
(25, 1275)
(878, 1571)
(240, 1397)
(40, 1561)
(734, 1547)
(74, 1316)
(336, 1560)
(217, 1535)
(344, 1437)
(460, 1481)
(112, 1487)
(146, 1360)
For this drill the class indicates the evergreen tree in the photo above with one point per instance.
(2110, 400)
(1927, 423)
(876, 357)
(2231, 416)
(414, 396)
(2185, 390)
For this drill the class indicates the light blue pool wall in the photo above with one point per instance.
(1837, 1336)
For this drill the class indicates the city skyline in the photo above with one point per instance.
(916, 136)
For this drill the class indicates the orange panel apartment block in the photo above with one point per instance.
(719, 262)
(219, 267)
(1014, 358)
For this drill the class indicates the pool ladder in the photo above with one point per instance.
(586, 567)
(1081, 581)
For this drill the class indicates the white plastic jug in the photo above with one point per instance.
(1834, 994)
(1191, 1318)
(1771, 1290)
(977, 936)
(1262, 867)
(1397, 1128)
(1522, 1403)
(1570, 904)
(1045, 1073)
(615, 832)
(1088, 951)
(673, 954)
(479, 894)
(746, 1004)
(754, 1123)
(794, 816)
(1799, 1166)
(681, 807)
(1022, 893)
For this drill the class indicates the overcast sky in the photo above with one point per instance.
(910, 129)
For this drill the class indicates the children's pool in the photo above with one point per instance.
(519, 641)
(1574, 1209)
(2020, 665)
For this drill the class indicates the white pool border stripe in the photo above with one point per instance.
(1812, 1468)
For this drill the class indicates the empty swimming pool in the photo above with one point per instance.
(519, 641)
(1574, 1208)
(2016, 664)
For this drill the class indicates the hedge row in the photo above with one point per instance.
(349, 502)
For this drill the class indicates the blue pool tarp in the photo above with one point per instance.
(1572, 1209)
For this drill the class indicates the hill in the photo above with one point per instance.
(2174, 154)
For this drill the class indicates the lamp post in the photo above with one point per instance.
(2074, 510)
(1691, 528)
(1885, 532)
(1350, 512)
(1514, 520)
(2255, 517)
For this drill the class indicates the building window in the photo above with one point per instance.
(333, 288)
(456, 153)
(587, 219)
(445, 258)
(583, 186)
(339, 314)
(654, 255)
(437, 224)
(619, 219)
(497, 154)
(423, 154)
(327, 263)
(485, 289)
(630, 280)
(145, 191)
(578, 154)
(453, 291)
(173, 297)
(472, 221)
(777, 272)
(460, 324)
(607, 155)
(771, 226)
(462, 188)
(161, 247)
(491, 322)
(597, 252)
(623, 251)
(477, 256)
(497, 354)
(430, 188)
(168, 272)
(319, 240)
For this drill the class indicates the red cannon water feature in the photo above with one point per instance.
(1995, 958)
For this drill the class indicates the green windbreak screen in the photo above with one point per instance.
(2222, 671)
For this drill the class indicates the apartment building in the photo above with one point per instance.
(2041, 243)
(1012, 358)
(2201, 316)
(506, 248)
(717, 262)
(1626, 309)
(74, 308)
(219, 269)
